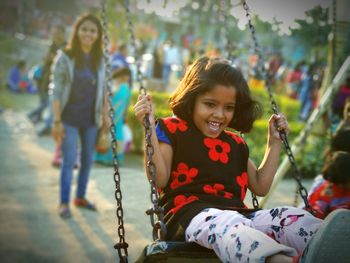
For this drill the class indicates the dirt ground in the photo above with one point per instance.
(30, 228)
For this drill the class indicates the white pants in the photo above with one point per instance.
(237, 238)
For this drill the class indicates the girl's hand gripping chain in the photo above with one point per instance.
(144, 107)
(277, 123)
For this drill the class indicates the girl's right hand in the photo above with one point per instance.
(57, 132)
(143, 107)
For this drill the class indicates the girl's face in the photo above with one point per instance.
(213, 110)
(87, 34)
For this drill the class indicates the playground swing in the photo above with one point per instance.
(165, 251)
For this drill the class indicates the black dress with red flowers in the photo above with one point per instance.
(205, 173)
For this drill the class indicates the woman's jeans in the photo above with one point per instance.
(69, 153)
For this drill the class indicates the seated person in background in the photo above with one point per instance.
(334, 191)
(17, 80)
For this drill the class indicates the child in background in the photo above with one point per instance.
(203, 170)
(334, 191)
(17, 80)
(120, 102)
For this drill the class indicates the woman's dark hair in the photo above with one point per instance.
(73, 48)
(203, 75)
(336, 168)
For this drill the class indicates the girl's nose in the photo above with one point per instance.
(219, 113)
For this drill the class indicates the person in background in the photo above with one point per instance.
(340, 98)
(119, 58)
(58, 42)
(17, 80)
(42, 76)
(120, 101)
(294, 80)
(330, 189)
(333, 192)
(78, 99)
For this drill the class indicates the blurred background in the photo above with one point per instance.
(299, 40)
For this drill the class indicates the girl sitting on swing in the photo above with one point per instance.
(203, 170)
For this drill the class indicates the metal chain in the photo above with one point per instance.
(159, 228)
(121, 246)
(295, 170)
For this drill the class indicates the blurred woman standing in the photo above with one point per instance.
(78, 95)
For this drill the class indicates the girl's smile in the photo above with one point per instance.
(214, 110)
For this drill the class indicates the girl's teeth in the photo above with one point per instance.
(214, 126)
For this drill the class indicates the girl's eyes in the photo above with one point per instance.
(230, 108)
(209, 104)
(212, 105)
(88, 30)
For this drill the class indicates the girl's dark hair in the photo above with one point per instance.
(336, 168)
(341, 141)
(120, 72)
(203, 75)
(73, 48)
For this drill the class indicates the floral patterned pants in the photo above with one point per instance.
(253, 238)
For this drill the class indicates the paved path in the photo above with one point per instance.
(32, 231)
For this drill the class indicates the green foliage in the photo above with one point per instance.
(311, 158)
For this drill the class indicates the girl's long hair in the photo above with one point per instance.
(73, 48)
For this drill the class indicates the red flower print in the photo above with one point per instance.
(182, 176)
(182, 200)
(218, 149)
(234, 136)
(242, 181)
(173, 124)
(217, 189)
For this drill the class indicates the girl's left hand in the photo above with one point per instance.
(277, 123)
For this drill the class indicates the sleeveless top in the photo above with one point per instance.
(206, 173)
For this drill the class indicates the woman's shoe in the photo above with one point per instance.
(64, 211)
(84, 203)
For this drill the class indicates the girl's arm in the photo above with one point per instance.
(163, 152)
(260, 179)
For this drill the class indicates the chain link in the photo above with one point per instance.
(156, 212)
(295, 170)
(121, 246)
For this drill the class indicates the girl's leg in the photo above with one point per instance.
(88, 142)
(290, 226)
(69, 152)
(232, 237)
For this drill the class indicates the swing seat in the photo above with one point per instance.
(331, 243)
(177, 252)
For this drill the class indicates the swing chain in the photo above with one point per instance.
(267, 77)
(122, 245)
(159, 228)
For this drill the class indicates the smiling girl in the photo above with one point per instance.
(203, 170)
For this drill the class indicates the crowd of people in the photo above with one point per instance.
(192, 147)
